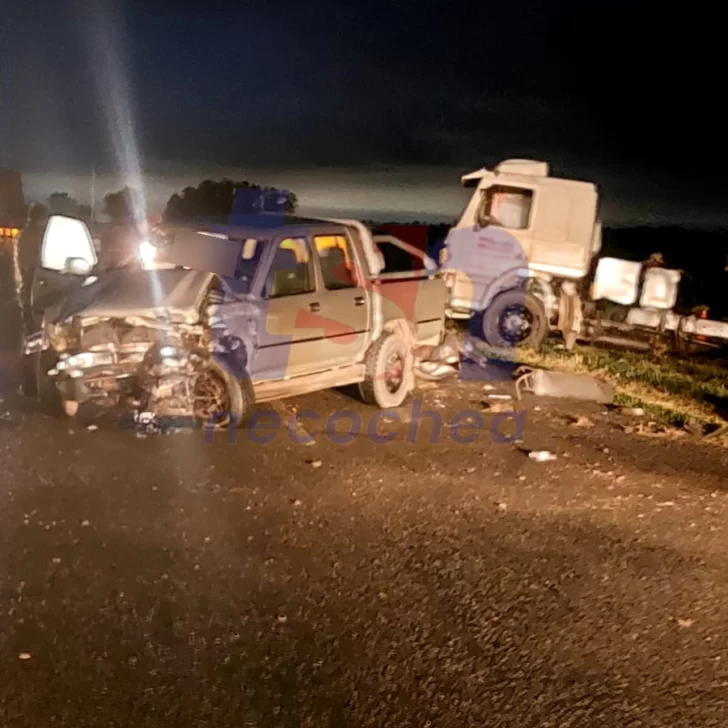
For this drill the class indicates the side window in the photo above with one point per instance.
(337, 261)
(291, 272)
(508, 207)
(398, 260)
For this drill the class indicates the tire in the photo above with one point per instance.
(377, 389)
(239, 396)
(496, 319)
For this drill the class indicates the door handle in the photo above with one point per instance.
(315, 306)
(359, 301)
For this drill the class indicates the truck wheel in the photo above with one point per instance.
(515, 318)
(389, 375)
(220, 399)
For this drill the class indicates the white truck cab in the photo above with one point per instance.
(522, 233)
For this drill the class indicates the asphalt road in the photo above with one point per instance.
(170, 581)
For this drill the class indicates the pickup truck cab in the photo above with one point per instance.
(228, 316)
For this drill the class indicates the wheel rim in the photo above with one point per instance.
(211, 399)
(394, 372)
(516, 323)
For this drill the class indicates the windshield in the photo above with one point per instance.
(251, 253)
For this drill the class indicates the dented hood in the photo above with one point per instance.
(175, 295)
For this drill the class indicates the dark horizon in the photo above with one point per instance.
(374, 109)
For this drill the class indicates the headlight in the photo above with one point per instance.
(85, 360)
(147, 253)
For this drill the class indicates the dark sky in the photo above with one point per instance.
(367, 107)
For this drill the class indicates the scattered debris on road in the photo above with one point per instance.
(633, 411)
(24, 656)
(541, 456)
(581, 421)
(314, 463)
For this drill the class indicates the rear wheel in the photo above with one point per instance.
(220, 399)
(389, 375)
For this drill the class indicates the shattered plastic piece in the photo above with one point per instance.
(500, 396)
(92, 428)
(24, 656)
(541, 456)
(315, 463)
(582, 421)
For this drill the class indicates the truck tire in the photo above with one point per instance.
(515, 318)
(224, 401)
(389, 375)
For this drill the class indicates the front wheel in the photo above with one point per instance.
(515, 318)
(389, 375)
(220, 399)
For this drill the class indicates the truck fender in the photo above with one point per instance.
(512, 278)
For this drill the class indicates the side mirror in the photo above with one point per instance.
(76, 267)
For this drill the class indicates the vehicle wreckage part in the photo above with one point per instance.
(514, 318)
(219, 399)
(388, 376)
(35, 343)
(545, 383)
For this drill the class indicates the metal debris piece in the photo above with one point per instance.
(544, 383)
(434, 370)
(447, 351)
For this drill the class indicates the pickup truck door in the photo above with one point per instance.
(288, 341)
(345, 314)
(67, 255)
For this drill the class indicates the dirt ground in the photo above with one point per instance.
(426, 581)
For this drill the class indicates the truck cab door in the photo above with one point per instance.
(66, 258)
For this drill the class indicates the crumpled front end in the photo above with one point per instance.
(118, 363)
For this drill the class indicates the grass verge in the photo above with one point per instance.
(675, 391)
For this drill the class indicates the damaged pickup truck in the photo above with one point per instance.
(220, 318)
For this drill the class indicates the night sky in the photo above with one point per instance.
(372, 108)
